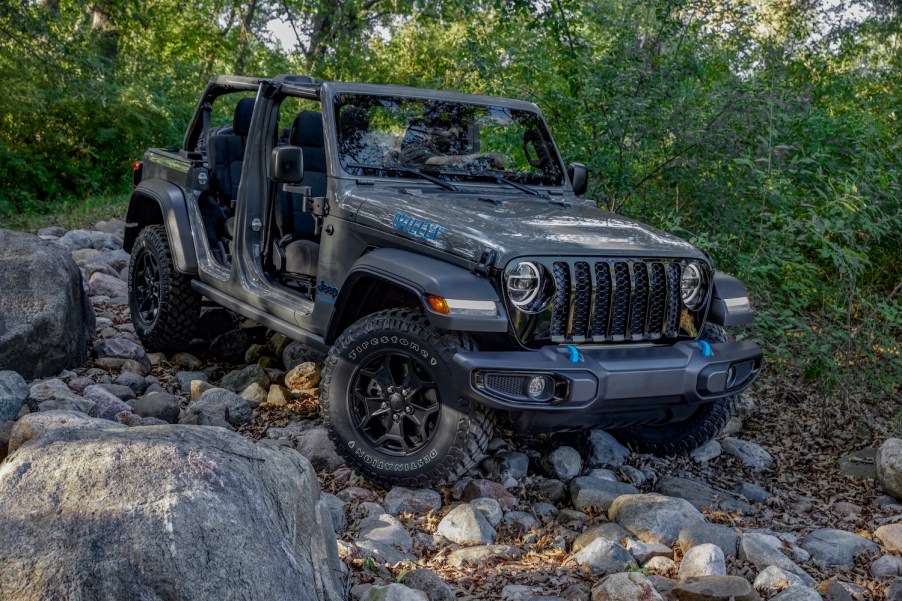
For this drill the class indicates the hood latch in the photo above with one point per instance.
(486, 261)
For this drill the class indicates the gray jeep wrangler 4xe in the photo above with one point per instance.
(436, 247)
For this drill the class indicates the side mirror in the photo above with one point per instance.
(579, 178)
(287, 164)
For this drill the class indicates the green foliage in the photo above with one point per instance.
(766, 132)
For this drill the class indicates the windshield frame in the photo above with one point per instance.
(333, 89)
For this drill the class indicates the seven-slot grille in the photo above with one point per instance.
(615, 300)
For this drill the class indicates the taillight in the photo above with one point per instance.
(137, 170)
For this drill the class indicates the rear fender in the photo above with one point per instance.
(156, 201)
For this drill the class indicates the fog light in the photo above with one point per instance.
(538, 388)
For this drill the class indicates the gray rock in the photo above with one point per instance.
(701, 533)
(701, 495)
(887, 566)
(103, 284)
(519, 592)
(766, 550)
(479, 488)
(551, 489)
(859, 465)
(586, 492)
(753, 492)
(297, 353)
(315, 445)
(506, 463)
(715, 588)
(106, 404)
(490, 509)
(603, 474)
(408, 500)
(52, 231)
(654, 518)
(137, 383)
(703, 560)
(891, 536)
(169, 498)
(627, 586)
(184, 378)
(122, 348)
(40, 339)
(798, 593)
(13, 392)
(605, 450)
(238, 380)
(633, 475)
(465, 525)
(429, 582)
(888, 465)
(116, 259)
(123, 393)
(772, 580)
(837, 547)
(76, 240)
(105, 241)
(53, 389)
(645, 551)
(572, 517)
(230, 346)
(382, 553)
(604, 557)
(71, 404)
(394, 592)
(748, 453)
(562, 463)
(608, 531)
(217, 407)
(662, 566)
(35, 424)
(708, 451)
(520, 521)
(544, 511)
(483, 553)
(159, 405)
(385, 529)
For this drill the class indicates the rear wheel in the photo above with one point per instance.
(164, 308)
(390, 404)
(687, 435)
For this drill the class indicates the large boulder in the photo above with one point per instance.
(889, 466)
(160, 512)
(46, 321)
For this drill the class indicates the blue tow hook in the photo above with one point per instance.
(705, 348)
(574, 353)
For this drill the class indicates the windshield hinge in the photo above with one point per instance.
(484, 266)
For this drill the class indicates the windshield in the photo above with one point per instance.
(452, 140)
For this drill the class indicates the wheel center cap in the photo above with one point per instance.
(396, 401)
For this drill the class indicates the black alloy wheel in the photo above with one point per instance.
(147, 286)
(395, 403)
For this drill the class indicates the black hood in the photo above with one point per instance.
(512, 224)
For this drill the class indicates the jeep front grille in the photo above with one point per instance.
(615, 300)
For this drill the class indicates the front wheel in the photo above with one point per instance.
(164, 308)
(391, 406)
(682, 437)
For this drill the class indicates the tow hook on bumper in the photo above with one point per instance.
(556, 378)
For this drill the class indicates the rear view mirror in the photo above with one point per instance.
(579, 178)
(287, 164)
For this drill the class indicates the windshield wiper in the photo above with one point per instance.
(401, 168)
(500, 180)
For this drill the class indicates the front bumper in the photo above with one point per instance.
(607, 386)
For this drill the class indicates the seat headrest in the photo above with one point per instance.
(308, 130)
(241, 122)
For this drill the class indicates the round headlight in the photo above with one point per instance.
(692, 286)
(523, 284)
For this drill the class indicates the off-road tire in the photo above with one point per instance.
(462, 429)
(685, 436)
(173, 323)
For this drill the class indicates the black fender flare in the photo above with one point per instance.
(730, 304)
(158, 201)
(422, 276)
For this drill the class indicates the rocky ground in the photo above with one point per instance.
(784, 505)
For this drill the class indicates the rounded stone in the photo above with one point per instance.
(653, 517)
(625, 586)
(888, 463)
(703, 560)
(563, 463)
